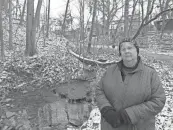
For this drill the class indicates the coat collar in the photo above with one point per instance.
(140, 66)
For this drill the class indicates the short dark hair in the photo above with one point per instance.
(129, 40)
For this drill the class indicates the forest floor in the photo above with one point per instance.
(158, 56)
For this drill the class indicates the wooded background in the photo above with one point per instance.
(49, 66)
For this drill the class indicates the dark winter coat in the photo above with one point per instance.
(141, 94)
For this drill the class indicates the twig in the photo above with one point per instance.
(157, 16)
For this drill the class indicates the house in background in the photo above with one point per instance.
(98, 28)
(168, 25)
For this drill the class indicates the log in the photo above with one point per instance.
(90, 61)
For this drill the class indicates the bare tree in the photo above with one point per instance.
(23, 12)
(148, 9)
(164, 16)
(17, 4)
(10, 25)
(1, 31)
(147, 16)
(92, 26)
(37, 17)
(68, 21)
(144, 23)
(109, 9)
(31, 27)
(144, 18)
(126, 18)
(48, 17)
(103, 2)
(115, 33)
(63, 25)
(81, 2)
(161, 2)
(133, 12)
(30, 49)
(108, 15)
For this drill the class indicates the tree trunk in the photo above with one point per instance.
(37, 14)
(5, 4)
(109, 9)
(126, 18)
(38, 21)
(35, 23)
(30, 45)
(28, 26)
(10, 26)
(108, 18)
(17, 4)
(23, 12)
(81, 19)
(148, 9)
(145, 30)
(1, 32)
(63, 25)
(48, 17)
(139, 15)
(103, 16)
(133, 12)
(92, 26)
(161, 5)
(164, 17)
(145, 23)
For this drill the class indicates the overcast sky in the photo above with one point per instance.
(58, 7)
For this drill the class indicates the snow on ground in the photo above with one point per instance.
(93, 122)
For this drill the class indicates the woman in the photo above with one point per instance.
(130, 93)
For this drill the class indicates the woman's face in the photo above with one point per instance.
(128, 51)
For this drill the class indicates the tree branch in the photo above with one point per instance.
(133, 11)
(144, 20)
(149, 21)
(91, 62)
(112, 15)
(159, 14)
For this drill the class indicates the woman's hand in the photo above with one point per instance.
(115, 118)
